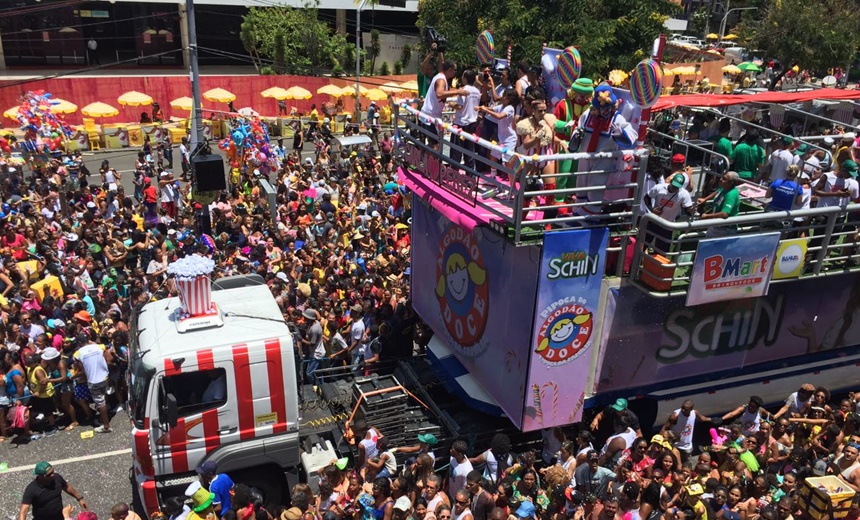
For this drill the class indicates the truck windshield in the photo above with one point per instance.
(140, 375)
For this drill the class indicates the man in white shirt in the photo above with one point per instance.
(459, 467)
(93, 360)
(434, 102)
(92, 51)
(667, 200)
(808, 162)
(466, 117)
(779, 161)
(838, 189)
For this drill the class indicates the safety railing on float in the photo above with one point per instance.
(663, 261)
(512, 194)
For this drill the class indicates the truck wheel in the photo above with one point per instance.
(268, 483)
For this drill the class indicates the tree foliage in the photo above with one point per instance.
(609, 34)
(292, 40)
(813, 35)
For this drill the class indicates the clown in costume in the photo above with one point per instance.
(603, 129)
(569, 109)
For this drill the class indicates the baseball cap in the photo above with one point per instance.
(849, 135)
(695, 490)
(207, 468)
(621, 404)
(526, 510)
(787, 140)
(850, 167)
(403, 503)
(820, 468)
(309, 314)
(428, 438)
(55, 323)
(42, 468)
(147, 180)
(678, 181)
(678, 158)
(802, 149)
(341, 463)
(659, 440)
(50, 354)
(83, 316)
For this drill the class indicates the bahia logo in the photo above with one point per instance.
(789, 260)
(462, 287)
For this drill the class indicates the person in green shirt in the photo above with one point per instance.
(723, 144)
(727, 202)
(748, 156)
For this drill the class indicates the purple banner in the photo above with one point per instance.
(657, 340)
(477, 292)
(571, 274)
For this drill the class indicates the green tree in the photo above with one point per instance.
(309, 45)
(609, 35)
(375, 49)
(405, 55)
(398, 68)
(384, 70)
(814, 36)
(698, 22)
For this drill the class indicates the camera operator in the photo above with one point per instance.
(431, 66)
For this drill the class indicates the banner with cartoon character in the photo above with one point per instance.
(571, 271)
(477, 292)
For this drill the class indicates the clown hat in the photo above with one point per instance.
(583, 86)
(201, 498)
(603, 95)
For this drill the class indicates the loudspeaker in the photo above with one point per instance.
(209, 172)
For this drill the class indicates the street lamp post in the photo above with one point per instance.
(358, 62)
(726, 16)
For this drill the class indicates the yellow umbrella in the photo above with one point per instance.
(684, 71)
(712, 36)
(411, 85)
(392, 88)
(331, 90)
(134, 99)
(12, 113)
(275, 92)
(298, 93)
(730, 37)
(220, 95)
(183, 103)
(731, 69)
(99, 109)
(350, 90)
(376, 94)
(61, 106)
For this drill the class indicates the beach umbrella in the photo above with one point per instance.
(298, 93)
(350, 90)
(411, 85)
(61, 106)
(220, 95)
(275, 92)
(331, 90)
(376, 94)
(732, 69)
(730, 37)
(12, 113)
(183, 103)
(134, 98)
(828, 81)
(712, 36)
(99, 109)
(749, 67)
(392, 88)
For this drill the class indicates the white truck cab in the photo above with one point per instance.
(224, 390)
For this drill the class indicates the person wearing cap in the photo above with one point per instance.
(726, 203)
(840, 188)
(150, 198)
(847, 466)
(751, 415)
(804, 156)
(667, 200)
(202, 502)
(313, 340)
(779, 161)
(592, 478)
(846, 148)
(402, 508)
(785, 194)
(220, 484)
(42, 405)
(678, 165)
(603, 423)
(45, 494)
(426, 441)
(693, 500)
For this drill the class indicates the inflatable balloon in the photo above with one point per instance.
(485, 48)
(569, 66)
(646, 83)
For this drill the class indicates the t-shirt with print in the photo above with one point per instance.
(669, 203)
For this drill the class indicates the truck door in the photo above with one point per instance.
(197, 412)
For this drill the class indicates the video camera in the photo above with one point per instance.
(431, 36)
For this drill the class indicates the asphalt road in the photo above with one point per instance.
(98, 466)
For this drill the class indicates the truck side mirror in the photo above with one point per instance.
(170, 411)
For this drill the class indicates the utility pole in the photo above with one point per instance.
(358, 63)
(205, 224)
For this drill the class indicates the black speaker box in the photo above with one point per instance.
(209, 172)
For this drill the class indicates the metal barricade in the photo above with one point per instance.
(663, 262)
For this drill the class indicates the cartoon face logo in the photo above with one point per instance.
(462, 287)
(564, 334)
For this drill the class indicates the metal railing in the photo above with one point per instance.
(663, 262)
(512, 193)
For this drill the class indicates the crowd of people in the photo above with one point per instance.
(80, 250)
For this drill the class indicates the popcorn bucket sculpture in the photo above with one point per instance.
(192, 277)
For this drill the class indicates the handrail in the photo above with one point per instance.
(755, 218)
(768, 130)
